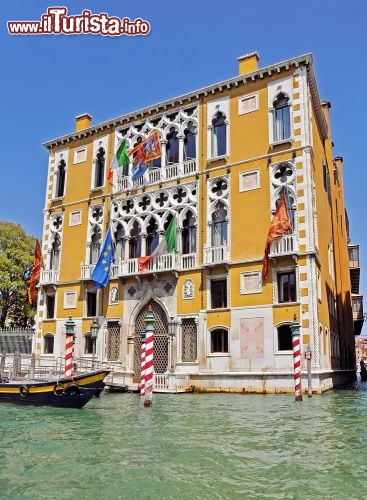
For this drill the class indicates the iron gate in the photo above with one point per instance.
(160, 360)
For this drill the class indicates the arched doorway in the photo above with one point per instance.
(160, 360)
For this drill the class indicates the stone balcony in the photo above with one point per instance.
(286, 245)
(161, 174)
(215, 255)
(49, 277)
(159, 263)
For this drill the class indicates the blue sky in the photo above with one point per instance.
(47, 80)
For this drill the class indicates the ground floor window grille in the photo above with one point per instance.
(189, 340)
(113, 341)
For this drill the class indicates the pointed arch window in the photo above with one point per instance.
(172, 147)
(55, 253)
(135, 241)
(219, 135)
(60, 183)
(189, 233)
(190, 142)
(219, 225)
(99, 168)
(95, 246)
(282, 122)
(152, 236)
(119, 239)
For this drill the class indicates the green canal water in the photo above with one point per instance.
(188, 446)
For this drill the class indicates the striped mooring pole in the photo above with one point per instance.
(295, 327)
(149, 344)
(142, 369)
(69, 347)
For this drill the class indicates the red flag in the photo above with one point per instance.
(149, 148)
(36, 272)
(143, 263)
(279, 226)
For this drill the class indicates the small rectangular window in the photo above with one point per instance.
(287, 291)
(249, 180)
(50, 306)
(91, 304)
(219, 341)
(248, 103)
(80, 155)
(48, 344)
(218, 289)
(75, 218)
(69, 300)
(88, 344)
(250, 282)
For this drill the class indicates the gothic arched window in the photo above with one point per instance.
(99, 168)
(135, 241)
(189, 233)
(219, 225)
(152, 236)
(95, 246)
(119, 239)
(219, 135)
(172, 146)
(60, 183)
(190, 142)
(55, 253)
(282, 122)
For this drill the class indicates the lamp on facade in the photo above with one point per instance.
(172, 331)
(94, 329)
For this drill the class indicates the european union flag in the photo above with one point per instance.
(101, 272)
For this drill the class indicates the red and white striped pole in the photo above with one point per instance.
(69, 347)
(149, 344)
(142, 370)
(295, 327)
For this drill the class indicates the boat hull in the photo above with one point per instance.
(72, 392)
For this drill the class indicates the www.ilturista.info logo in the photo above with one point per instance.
(57, 22)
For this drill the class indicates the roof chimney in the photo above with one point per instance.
(248, 63)
(83, 121)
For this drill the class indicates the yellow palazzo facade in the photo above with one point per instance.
(229, 151)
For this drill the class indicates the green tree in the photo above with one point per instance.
(16, 261)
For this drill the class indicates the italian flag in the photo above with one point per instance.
(167, 245)
(120, 159)
(169, 241)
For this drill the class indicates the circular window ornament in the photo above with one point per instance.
(283, 174)
(218, 188)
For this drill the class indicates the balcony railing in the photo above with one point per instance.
(216, 255)
(168, 172)
(86, 271)
(159, 263)
(49, 277)
(286, 245)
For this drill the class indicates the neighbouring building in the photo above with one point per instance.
(361, 350)
(229, 152)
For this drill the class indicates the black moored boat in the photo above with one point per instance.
(72, 392)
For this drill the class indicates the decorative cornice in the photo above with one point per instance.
(192, 97)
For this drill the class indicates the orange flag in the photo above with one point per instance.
(279, 226)
(36, 272)
(148, 149)
(143, 263)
